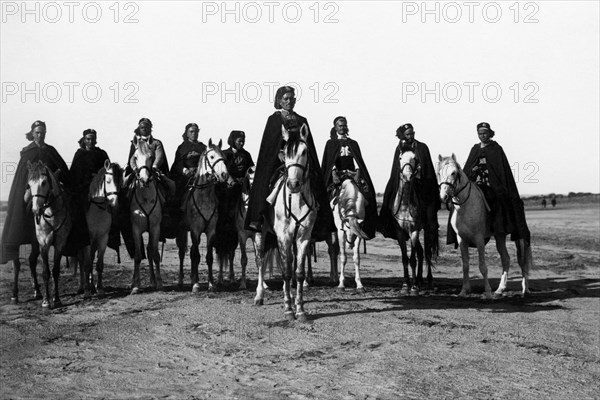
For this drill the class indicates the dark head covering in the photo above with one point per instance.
(85, 133)
(487, 126)
(29, 135)
(188, 126)
(234, 135)
(279, 95)
(143, 121)
(403, 128)
(333, 132)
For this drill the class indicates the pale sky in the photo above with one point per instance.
(530, 69)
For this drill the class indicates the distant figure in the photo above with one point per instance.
(553, 202)
(544, 202)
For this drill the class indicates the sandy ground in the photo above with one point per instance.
(373, 345)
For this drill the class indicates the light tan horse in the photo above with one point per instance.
(293, 214)
(348, 212)
(471, 222)
(52, 224)
(145, 213)
(103, 196)
(201, 212)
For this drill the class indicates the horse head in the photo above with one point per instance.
(296, 157)
(43, 186)
(142, 159)
(449, 175)
(408, 165)
(113, 177)
(212, 162)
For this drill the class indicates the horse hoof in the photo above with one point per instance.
(101, 292)
(498, 295)
(463, 293)
(404, 291)
(196, 289)
(259, 302)
(87, 295)
(289, 315)
(45, 304)
(486, 296)
(340, 289)
(360, 290)
(37, 295)
(14, 300)
(301, 317)
(135, 290)
(57, 304)
(414, 292)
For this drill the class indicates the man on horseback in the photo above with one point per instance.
(342, 159)
(425, 186)
(269, 162)
(488, 167)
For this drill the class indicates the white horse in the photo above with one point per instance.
(52, 224)
(471, 222)
(293, 213)
(348, 207)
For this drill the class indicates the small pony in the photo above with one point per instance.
(293, 214)
(471, 222)
(52, 224)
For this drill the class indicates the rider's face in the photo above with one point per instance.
(484, 135)
(288, 101)
(409, 136)
(39, 134)
(192, 133)
(341, 127)
(239, 143)
(89, 141)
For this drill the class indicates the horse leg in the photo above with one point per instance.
(86, 266)
(286, 266)
(243, 259)
(195, 259)
(16, 268)
(209, 262)
(333, 248)
(74, 261)
(231, 256)
(356, 259)
(181, 241)
(405, 287)
(303, 254)
(46, 277)
(153, 238)
(505, 260)
(416, 252)
(487, 294)
(150, 255)
(309, 272)
(101, 247)
(342, 258)
(464, 254)
(428, 258)
(260, 285)
(56, 275)
(137, 259)
(33, 257)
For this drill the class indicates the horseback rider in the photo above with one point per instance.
(237, 158)
(488, 166)
(269, 162)
(19, 224)
(342, 159)
(425, 186)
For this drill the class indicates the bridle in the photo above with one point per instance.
(210, 180)
(454, 185)
(49, 200)
(102, 204)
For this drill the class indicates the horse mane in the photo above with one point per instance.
(209, 147)
(98, 179)
(117, 174)
(293, 142)
(41, 169)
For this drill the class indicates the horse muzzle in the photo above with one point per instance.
(294, 185)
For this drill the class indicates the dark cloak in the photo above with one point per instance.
(268, 163)
(508, 213)
(330, 154)
(85, 165)
(187, 156)
(238, 162)
(19, 226)
(426, 190)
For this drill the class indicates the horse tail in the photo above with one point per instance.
(271, 254)
(524, 255)
(356, 229)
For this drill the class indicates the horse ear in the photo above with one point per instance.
(150, 140)
(440, 157)
(304, 132)
(135, 141)
(106, 164)
(284, 133)
(220, 143)
(210, 142)
(453, 157)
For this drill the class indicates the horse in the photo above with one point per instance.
(348, 207)
(201, 211)
(52, 225)
(244, 234)
(471, 222)
(293, 214)
(103, 197)
(145, 212)
(407, 213)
